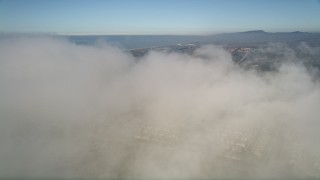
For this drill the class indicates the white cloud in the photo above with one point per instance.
(94, 111)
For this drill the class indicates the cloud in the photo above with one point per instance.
(74, 111)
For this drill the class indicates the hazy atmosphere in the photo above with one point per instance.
(241, 104)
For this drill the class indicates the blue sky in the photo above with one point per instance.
(158, 16)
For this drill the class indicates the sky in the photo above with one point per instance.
(176, 17)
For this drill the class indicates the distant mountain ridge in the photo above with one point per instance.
(247, 37)
(147, 41)
(260, 36)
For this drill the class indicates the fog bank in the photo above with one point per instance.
(71, 111)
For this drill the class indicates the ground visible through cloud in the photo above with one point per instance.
(73, 111)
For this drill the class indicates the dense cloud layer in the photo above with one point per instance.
(95, 111)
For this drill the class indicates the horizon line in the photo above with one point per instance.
(121, 34)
